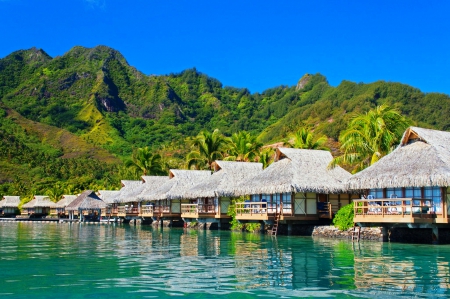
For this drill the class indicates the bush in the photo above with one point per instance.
(343, 219)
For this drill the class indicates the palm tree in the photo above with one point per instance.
(207, 147)
(55, 193)
(265, 156)
(371, 136)
(145, 162)
(305, 139)
(243, 147)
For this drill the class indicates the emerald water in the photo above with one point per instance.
(119, 261)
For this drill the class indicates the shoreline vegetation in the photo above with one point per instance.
(74, 120)
(278, 158)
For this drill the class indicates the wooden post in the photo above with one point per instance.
(435, 235)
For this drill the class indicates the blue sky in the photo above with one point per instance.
(253, 44)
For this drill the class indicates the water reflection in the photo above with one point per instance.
(133, 261)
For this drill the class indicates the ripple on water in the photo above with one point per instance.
(142, 262)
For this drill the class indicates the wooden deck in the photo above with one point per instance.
(266, 211)
(199, 211)
(398, 210)
(146, 211)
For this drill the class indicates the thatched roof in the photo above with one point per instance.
(130, 190)
(10, 202)
(224, 180)
(151, 183)
(179, 181)
(65, 201)
(87, 200)
(421, 159)
(297, 170)
(109, 196)
(39, 201)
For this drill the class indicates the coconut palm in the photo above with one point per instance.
(305, 139)
(371, 136)
(55, 193)
(243, 147)
(144, 161)
(206, 148)
(265, 156)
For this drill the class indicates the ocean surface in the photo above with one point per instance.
(50, 260)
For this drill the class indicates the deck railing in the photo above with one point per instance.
(285, 209)
(254, 208)
(189, 209)
(121, 210)
(147, 211)
(411, 207)
(161, 209)
(195, 209)
(132, 210)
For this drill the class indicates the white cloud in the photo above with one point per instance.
(94, 3)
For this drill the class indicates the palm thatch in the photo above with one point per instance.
(151, 183)
(179, 181)
(87, 200)
(109, 196)
(10, 202)
(224, 180)
(65, 201)
(421, 159)
(297, 170)
(129, 190)
(39, 201)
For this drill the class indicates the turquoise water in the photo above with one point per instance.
(119, 261)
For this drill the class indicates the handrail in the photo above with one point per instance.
(252, 208)
(417, 207)
(198, 208)
(147, 210)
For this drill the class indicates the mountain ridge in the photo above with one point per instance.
(93, 96)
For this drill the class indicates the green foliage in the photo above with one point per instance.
(304, 139)
(253, 227)
(235, 225)
(145, 162)
(371, 136)
(206, 148)
(343, 219)
(243, 147)
(73, 118)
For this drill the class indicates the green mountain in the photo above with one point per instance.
(75, 117)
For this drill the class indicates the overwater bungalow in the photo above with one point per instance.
(127, 198)
(209, 200)
(9, 206)
(298, 187)
(88, 205)
(59, 210)
(111, 198)
(38, 207)
(145, 207)
(167, 199)
(408, 187)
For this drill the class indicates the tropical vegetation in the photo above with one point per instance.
(370, 136)
(76, 119)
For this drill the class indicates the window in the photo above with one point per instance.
(287, 203)
(394, 192)
(376, 193)
(434, 194)
(276, 199)
(254, 197)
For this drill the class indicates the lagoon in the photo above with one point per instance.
(47, 260)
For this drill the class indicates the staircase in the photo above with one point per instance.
(274, 230)
(356, 233)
